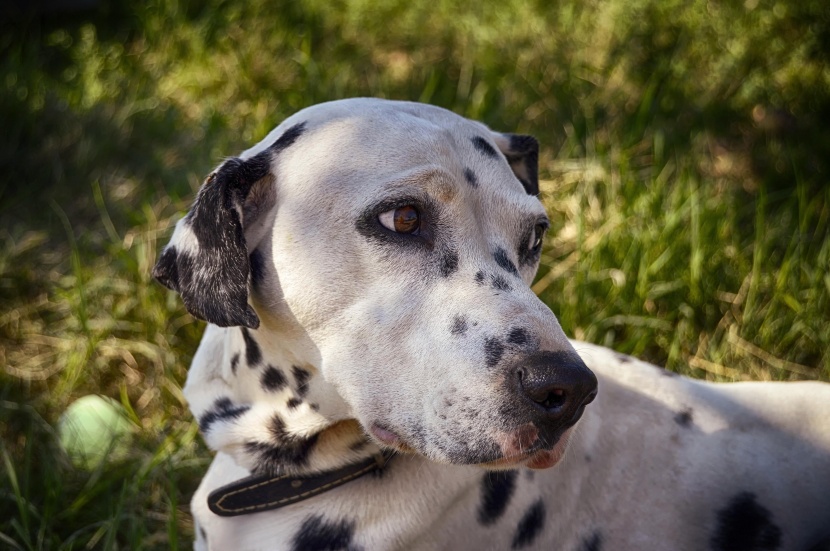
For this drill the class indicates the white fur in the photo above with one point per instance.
(372, 327)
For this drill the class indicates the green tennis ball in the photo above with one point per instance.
(95, 428)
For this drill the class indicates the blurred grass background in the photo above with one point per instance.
(685, 164)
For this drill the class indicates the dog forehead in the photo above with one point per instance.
(374, 122)
(358, 145)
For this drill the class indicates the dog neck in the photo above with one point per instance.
(289, 421)
(265, 404)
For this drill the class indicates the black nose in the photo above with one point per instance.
(556, 386)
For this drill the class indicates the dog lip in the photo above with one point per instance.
(389, 438)
(541, 455)
(513, 461)
(384, 435)
(544, 459)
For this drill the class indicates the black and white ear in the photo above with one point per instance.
(207, 260)
(522, 152)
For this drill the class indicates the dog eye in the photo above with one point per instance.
(404, 219)
(536, 237)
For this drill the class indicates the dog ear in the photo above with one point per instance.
(522, 152)
(207, 260)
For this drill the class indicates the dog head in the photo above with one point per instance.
(397, 241)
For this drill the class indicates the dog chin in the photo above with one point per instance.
(389, 439)
(535, 459)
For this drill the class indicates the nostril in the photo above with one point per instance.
(545, 396)
(558, 385)
(553, 399)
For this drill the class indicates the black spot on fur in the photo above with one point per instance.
(257, 267)
(318, 534)
(484, 147)
(622, 358)
(277, 429)
(479, 277)
(494, 349)
(234, 363)
(531, 524)
(459, 325)
(253, 354)
(496, 490)
(223, 409)
(470, 176)
(301, 376)
(684, 418)
(519, 336)
(273, 379)
(592, 542)
(288, 137)
(504, 262)
(449, 262)
(499, 283)
(419, 435)
(288, 449)
(293, 403)
(203, 533)
(744, 525)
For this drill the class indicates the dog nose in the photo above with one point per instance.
(556, 385)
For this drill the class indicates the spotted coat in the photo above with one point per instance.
(332, 335)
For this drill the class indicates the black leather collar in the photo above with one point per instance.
(259, 493)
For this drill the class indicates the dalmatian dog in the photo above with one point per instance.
(365, 273)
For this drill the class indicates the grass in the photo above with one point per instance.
(684, 167)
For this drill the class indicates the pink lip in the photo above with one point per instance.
(514, 457)
(515, 443)
(385, 436)
(539, 459)
(389, 438)
(544, 459)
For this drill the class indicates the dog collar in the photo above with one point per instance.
(259, 493)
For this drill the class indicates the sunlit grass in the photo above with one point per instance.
(684, 168)
(664, 268)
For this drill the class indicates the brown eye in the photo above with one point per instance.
(536, 236)
(404, 219)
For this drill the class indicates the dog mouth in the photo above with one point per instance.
(538, 456)
(390, 439)
(519, 448)
(525, 446)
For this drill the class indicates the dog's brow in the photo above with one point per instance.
(436, 181)
(419, 175)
